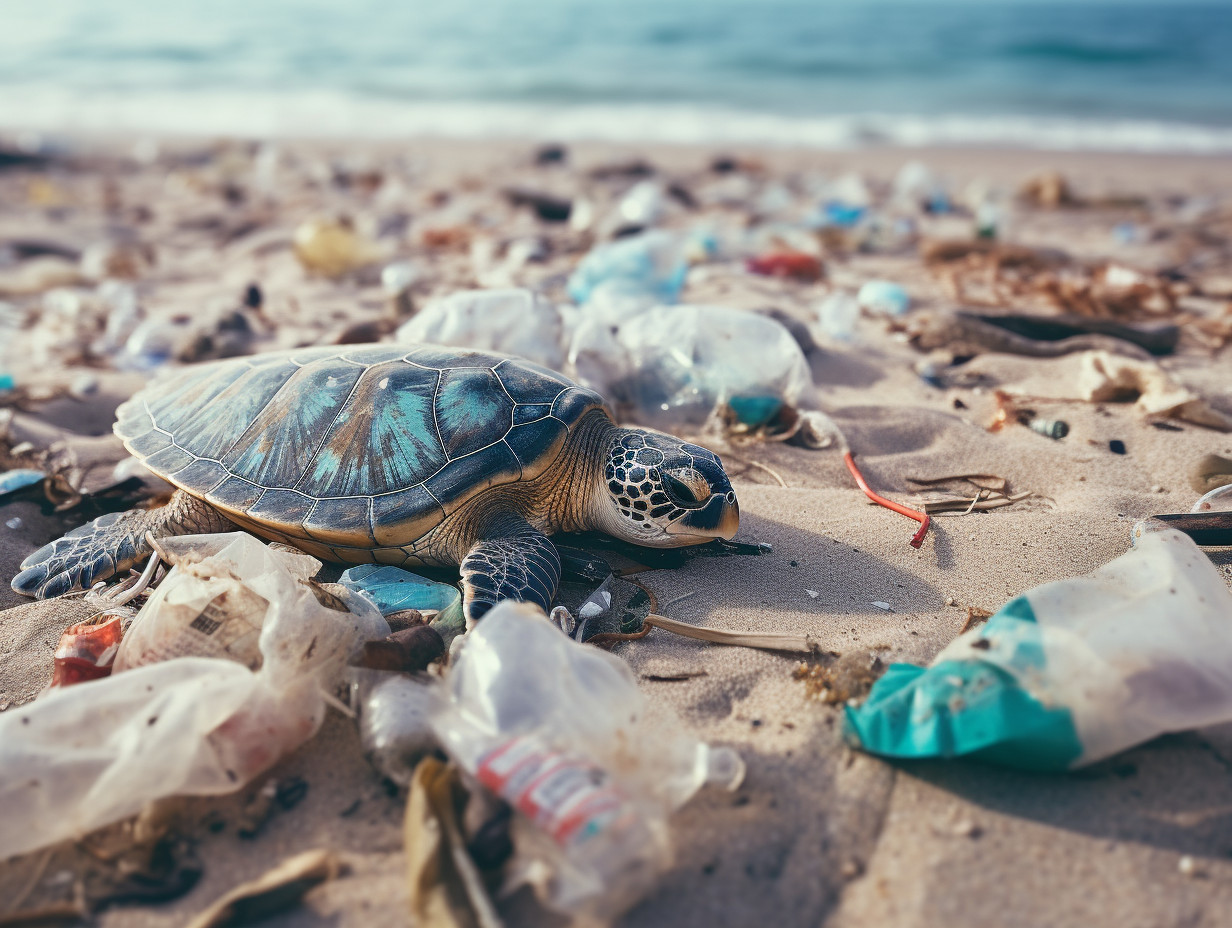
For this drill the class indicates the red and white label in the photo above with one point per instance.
(565, 795)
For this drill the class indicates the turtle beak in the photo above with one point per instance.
(719, 518)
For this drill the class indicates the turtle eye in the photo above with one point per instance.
(686, 488)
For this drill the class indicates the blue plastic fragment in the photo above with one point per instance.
(972, 707)
(393, 589)
(7, 382)
(653, 262)
(843, 215)
(12, 480)
(884, 296)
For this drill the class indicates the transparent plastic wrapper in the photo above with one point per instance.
(84, 756)
(394, 712)
(675, 365)
(654, 262)
(1218, 500)
(514, 321)
(1070, 672)
(837, 315)
(562, 733)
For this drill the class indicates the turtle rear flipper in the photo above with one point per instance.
(515, 562)
(110, 545)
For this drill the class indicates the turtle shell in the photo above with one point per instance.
(357, 447)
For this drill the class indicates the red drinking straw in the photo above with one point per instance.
(923, 518)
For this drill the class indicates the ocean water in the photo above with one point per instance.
(1148, 75)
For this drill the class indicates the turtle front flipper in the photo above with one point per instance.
(514, 562)
(110, 545)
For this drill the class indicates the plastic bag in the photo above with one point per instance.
(561, 731)
(1071, 672)
(82, 757)
(674, 365)
(654, 262)
(518, 322)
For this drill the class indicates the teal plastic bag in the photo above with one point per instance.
(1072, 671)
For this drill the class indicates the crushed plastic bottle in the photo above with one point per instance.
(654, 262)
(515, 321)
(392, 589)
(1070, 672)
(592, 768)
(676, 365)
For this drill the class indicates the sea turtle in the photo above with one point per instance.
(408, 456)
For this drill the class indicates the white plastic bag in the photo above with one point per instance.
(84, 756)
(561, 731)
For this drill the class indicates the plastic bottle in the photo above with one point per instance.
(562, 733)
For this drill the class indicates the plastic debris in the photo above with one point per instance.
(1106, 378)
(392, 589)
(1217, 500)
(1071, 672)
(677, 365)
(883, 296)
(87, 651)
(13, 480)
(1051, 428)
(643, 205)
(83, 756)
(562, 733)
(653, 262)
(515, 321)
(837, 315)
(332, 248)
(394, 711)
(396, 280)
(794, 264)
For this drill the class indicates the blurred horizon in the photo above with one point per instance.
(1114, 74)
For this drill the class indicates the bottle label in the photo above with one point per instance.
(564, 795)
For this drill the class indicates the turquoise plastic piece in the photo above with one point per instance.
(12, 480)
(393, 589)
(755, 410)
(970, 708)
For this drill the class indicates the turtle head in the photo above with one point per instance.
(664, 493)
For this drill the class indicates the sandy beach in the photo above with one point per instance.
(819, 834)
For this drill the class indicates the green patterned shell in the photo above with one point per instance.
(356, 447)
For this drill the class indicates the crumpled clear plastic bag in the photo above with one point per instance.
(673, 366)
(1070, 672)
(561, 731)
(79, 758)
(513, 321)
